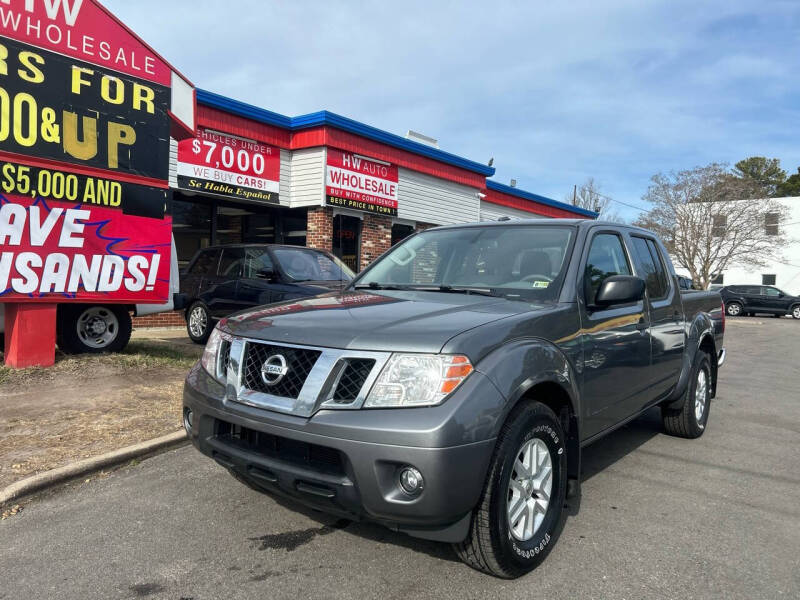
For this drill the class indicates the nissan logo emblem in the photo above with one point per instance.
(274, 369)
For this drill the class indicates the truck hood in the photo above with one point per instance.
(407, 321)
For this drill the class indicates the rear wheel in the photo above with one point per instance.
(690, 420)
(796, 311)
(198, 323)
(93, 329)
(520, 512)
(734, 309)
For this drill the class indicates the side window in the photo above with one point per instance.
(606, 258)
(230, 265)
(205, 263)
(256, 260)
(772, 292)
(652, 268)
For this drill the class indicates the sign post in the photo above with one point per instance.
(86, 114)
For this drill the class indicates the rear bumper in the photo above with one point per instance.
(339, 474)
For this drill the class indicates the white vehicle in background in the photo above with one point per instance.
(95, 328)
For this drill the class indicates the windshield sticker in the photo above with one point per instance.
(541, 284)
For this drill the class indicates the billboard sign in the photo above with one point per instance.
(229, 166)
(86, 114)
(361, 183)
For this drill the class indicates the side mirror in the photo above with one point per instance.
(268, 274)
(620, 289)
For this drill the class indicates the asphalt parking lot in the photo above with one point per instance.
(660, 518)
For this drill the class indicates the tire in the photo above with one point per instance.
(689, 421)
(734, 309)
(200, 328)
(93, 329)
(492, 545)
(796, 311)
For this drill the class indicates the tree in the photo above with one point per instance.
(588, 196)
(708, 220)
(766, 172)
(790, 187)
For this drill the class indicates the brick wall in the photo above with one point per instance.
(424, 226)
(376, 237)
(165, 319)
(320, 228)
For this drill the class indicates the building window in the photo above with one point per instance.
(347, 240)
(771, 223)
(768, 279)
(719, 225)
(401, 232)
(191, 227)
(719, 279)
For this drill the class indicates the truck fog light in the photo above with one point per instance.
(411, 481)
(188, 417)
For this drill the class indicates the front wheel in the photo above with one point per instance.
(734, 309)
(519, 516)
(198, 323)
(796, 312)
(93, 329)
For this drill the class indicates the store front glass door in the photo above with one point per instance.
(347, 240)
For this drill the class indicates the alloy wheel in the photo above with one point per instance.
(700, 396)
(198, 321)
(529, 489)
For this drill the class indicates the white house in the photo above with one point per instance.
(784, 270)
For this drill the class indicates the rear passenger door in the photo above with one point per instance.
(615, 339)
(203, 267)
(667, 327)
(220, 296)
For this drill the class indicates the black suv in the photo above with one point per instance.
(221, 280)
(751, 299)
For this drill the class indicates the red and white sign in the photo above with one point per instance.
(227, 165)
(58, 251)
(354, 181)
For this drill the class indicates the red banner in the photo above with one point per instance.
(52, 251)
(231, 166)
(360, 183)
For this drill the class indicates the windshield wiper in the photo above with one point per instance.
(374, 285)
(450, 289)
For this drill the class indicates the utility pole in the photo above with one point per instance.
(575, 195)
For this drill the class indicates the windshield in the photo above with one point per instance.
(303, 264)
(526, 261)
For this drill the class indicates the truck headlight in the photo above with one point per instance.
(213, 359)
(417, 380)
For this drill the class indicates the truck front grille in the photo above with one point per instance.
(298, 360)
(352, 380)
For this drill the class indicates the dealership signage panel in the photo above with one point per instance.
(229, 166)
(86, 112)
(357, 182)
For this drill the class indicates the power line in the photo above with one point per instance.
(609, 198)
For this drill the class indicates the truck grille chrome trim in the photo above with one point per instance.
(317, 378)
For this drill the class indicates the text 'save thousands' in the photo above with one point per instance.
(359, 183)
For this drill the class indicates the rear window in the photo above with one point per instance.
(651, 266)
(205, 263)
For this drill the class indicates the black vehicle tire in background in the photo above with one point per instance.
(690, 420)
(93, 329)
(499, 542)
(734, 309)
(198, 323)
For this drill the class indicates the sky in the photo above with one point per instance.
(555, 92)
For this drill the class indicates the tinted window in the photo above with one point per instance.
(302, 264)
(772, 292)
(606, 258)
(205, 263)
(256, 260)
(652, 270)
(753, 291)
(230, 265)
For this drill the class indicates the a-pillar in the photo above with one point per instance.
(30, 335)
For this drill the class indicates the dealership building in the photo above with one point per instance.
(324, 181)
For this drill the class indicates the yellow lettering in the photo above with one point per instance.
(33, 74)
(88, 192)
(118, 134)
(85, 149)
(3, 57)
(5, 115)
(143, 94)
(78, 80)
(105, 90)
(116, 193)
(29, 139)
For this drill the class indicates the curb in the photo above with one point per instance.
(40, 481)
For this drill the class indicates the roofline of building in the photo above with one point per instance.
(325, 118)
(512, 191)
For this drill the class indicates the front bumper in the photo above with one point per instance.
(347, 463)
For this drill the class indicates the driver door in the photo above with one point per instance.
(615, 339)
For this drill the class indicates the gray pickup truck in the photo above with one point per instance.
(448, 392)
